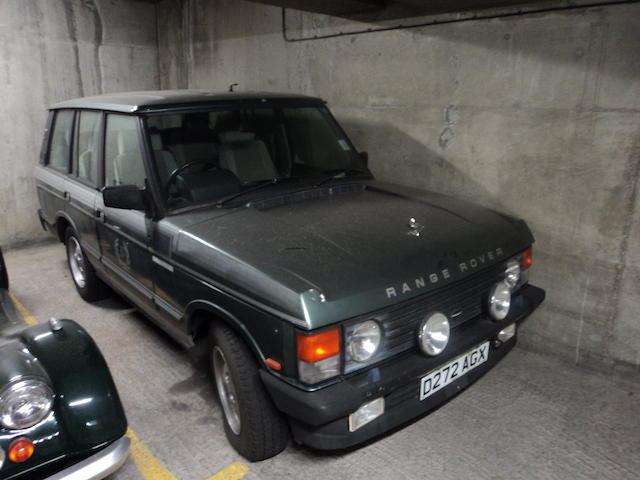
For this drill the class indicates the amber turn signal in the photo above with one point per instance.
(273, 364)
(21, 450)
(527, 258)
(313, 348)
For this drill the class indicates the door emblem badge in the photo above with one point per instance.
(122, 252)
(415, 228)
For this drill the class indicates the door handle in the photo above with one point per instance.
(66, 195)
(99, 214)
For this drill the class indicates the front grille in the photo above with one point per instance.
(461, 301)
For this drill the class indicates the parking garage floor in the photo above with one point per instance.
(530, 417)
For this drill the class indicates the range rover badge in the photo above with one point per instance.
(414, 227)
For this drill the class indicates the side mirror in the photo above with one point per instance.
(365, 158)
(128, 197)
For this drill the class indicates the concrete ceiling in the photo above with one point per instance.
(381, 9)
(331, 7)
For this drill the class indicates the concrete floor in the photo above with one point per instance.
(530, 417)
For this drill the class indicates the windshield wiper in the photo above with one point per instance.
(338, 174)
(253, 188)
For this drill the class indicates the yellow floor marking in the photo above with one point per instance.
(148, 465)
(235, 471)
(26, 316)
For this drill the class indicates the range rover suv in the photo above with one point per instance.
(334, 307)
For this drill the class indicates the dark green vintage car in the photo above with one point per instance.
(335, 307)
(60, 414)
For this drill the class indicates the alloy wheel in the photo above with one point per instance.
(76, 262)
(226, 390)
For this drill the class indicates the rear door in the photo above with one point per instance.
(52, 178)
(82, 188)
(123, 234)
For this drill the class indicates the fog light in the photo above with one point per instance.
(507, 333)
(366, 413)
(433, 334)
(500, 300)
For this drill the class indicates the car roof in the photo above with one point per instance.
(147, 101)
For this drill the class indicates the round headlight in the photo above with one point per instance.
(512, 273)
(364, 340)
(500, 300)
(433, 335)
(25, 403)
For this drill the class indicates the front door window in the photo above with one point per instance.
(123, 163)
(85, 159)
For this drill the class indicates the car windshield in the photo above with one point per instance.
(204, 156)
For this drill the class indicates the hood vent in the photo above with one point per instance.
(308, 194)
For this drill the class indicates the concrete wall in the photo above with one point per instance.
(536, 115)
(53, 50)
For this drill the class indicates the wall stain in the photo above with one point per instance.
(7, 71)
(631, 185)
(92, 5)
(448, 134)
(42, 51)
(72, 28)
(446, 137)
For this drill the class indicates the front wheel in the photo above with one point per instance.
(84, 276)
(251, 422)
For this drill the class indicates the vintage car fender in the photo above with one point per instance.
(87, 404)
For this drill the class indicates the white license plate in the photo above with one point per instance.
(443, 376)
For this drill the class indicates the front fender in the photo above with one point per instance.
(219, 313)
(87, 404)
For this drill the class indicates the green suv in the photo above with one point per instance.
(335, 307)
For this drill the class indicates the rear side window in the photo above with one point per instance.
(123, 164)
(60, 150)
(85, 159)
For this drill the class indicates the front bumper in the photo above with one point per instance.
(320, 419)
(98, 465)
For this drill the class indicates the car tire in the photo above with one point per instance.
(262, 431)
(84, 276)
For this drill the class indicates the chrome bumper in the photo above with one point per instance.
(98, 465)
